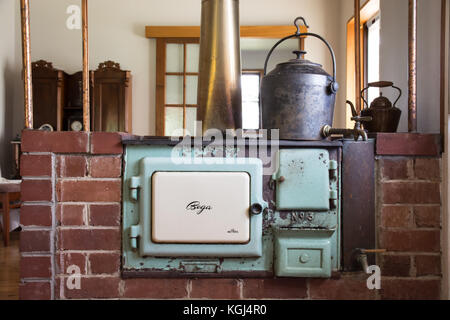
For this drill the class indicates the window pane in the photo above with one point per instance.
(174, 89)
(191, 121)
(192, 56)
(250, 115)
(174, 57)
(174, 121)
(250, 101)
(191, 89)
(373, 58)
(250, 87)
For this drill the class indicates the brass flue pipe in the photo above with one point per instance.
(412, 57)
(219, 83)
(358, 56)
(26, 55)
(86, 103)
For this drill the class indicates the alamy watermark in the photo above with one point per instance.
(73, 22)
(374, 281)
(215, 146)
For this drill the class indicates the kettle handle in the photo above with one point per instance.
(381, 84)
(334, 87)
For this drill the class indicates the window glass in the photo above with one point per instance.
(192, 56)
(174, 89)
(373, 57)
(174, 121)
(250, 100)
(174, 57)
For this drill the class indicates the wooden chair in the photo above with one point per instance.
(9, 199)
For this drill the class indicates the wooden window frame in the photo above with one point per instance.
(368, 11)
(161, 74)
(191, 34)
(365, 57)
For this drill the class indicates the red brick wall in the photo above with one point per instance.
(409, 220)
(71, 215)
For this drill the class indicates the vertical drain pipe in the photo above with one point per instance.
(412, 57)
(219, 89)
(85, 35)
(26, 55)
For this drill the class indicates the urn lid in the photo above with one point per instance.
(301, 65)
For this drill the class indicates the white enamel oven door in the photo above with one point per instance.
(200, 209)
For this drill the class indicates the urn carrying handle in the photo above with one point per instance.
(381, 84)
(334, 87)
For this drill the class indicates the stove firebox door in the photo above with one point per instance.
(303, 180)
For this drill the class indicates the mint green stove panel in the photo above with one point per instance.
(304, 253)
(296, 225)
(302, 180)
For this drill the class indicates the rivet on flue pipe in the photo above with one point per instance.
(412, 57)
(26, 55)
(219, 88)
(86, 102)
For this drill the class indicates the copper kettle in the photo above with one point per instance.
(385, 116)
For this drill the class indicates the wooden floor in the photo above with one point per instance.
(9, 269)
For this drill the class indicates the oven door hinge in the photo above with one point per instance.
(135, 232)
(333, 166)
(135, 184)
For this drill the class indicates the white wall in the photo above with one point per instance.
(117, 33)
(394, 59)
(11, 110)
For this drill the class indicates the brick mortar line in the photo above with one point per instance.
(32, 279)
(37, 203)
(420, 278)
(37, 153)
(88, 155)
(415, 253)
(89, 141)
(37, 228)
(188, 289)
(35, 255)
(409, 181)
(36, 252)
(37, 178)
(88, 203)
(53, 232)
(408, 229)
(308, 289)
(77, 179)
(121, 288)
(83, 227)
(88, 251)
(394, 253)
(406, 156)
(90, 276)
(411, 205)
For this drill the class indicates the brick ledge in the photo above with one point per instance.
(408, 144)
